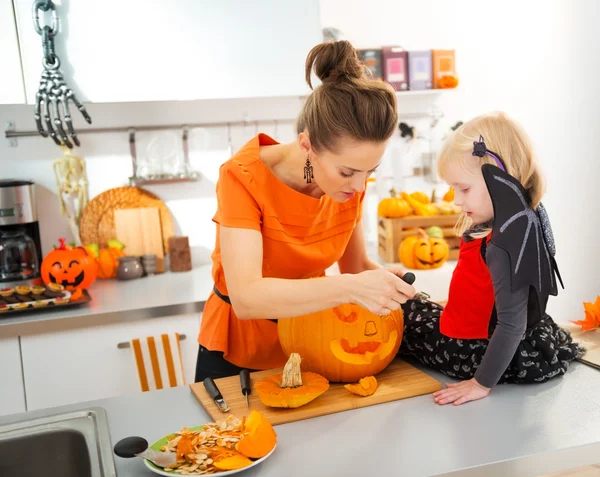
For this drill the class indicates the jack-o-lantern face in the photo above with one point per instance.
(71, 267)
(423, 252)
(345, 343)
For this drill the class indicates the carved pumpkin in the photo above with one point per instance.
(423, 252)
(345, 343)
(71, 267)
(259, 437)
(365, 387)
(393, 206)
(292, 388)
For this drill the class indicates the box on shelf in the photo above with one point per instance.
(419, 70)
(395, 67)
(391, 232)
(371, 58)
(443, 63)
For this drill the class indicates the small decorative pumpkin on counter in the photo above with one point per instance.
(365, 387)
(420, 208)
(292, 388)
(423, 252)
(344, 343)
(448, 82)
(72, 267)
(393, 207)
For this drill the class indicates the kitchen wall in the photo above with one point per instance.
(537, 60)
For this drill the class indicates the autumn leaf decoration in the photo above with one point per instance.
(592, 316)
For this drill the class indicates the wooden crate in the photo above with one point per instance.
(392, 231)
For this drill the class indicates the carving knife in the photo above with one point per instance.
(410, 278)
(215, 394)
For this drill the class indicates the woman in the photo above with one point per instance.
(287, 212)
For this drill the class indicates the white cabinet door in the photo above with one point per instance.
(11, 77)
(85, 364)
(154, 50)
(12, 395)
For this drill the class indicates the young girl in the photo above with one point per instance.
(494, 327)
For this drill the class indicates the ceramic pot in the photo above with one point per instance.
(129, 268)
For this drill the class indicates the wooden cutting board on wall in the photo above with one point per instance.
(399, 380)
(140, 231)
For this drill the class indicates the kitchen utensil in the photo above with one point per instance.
(215, 394)
(399, 380)
(245, 384)
(136, 446)
(97, 222)
(410, 278)
(139, 229)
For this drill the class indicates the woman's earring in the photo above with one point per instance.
(308, 171)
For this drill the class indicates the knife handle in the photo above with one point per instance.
(409, 278)
(245, 381)
(212, 389)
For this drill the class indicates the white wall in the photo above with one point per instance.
(537, 60)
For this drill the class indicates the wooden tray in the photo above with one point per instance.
(84, 298)
(399, 380)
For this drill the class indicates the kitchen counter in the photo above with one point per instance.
(166, 294)
(519, 430)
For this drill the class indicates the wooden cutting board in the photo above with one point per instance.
(590, 340)
(140, 230)
(399, 380)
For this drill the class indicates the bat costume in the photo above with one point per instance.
(495, 326)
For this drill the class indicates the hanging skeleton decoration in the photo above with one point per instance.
(72, 187)
(53, 96)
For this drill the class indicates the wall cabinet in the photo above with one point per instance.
(12, 394)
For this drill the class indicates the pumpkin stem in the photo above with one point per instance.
(422, 233)
(393, 192)
(62, 243)
(292, 376)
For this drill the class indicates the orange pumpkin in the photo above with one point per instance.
(108, 261)
(259, 437)
(393, 206)
(345, 343)
(422, 251)
(448, 81)
(72, 267)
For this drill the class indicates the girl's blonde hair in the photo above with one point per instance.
(506, 138)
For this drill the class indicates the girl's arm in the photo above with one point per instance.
(511, 309)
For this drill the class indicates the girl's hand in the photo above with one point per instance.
(460, 393)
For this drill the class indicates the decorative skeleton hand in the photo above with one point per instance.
(53, 93)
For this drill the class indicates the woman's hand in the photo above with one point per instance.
(380, 291)
(460, 393)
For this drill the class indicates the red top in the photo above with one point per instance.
(471, 295)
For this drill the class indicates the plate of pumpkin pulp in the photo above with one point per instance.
(224, 448)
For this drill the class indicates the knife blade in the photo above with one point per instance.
(215, 394)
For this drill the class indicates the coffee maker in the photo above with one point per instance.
(20, 245)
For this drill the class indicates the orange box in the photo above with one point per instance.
(443, 63)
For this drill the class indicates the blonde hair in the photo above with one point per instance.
(506, 138)
(349, 103)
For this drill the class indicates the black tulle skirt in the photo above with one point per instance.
(545, 351)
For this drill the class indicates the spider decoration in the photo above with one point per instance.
(72, 182)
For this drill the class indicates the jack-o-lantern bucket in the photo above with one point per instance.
(345, 343)
(71, 267)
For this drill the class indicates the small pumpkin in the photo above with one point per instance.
(292, 388)
(423, 252)
(393, 206)
(72, 267)
(344, 343)
(259, 437)
(449, 196)
(420, 208)
(448, 81)
(365, 387)
(108, 261)
(421, 197)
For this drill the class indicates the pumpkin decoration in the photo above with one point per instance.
(291, 388)
(393, 206)
(421, 197)
(72, 267)
(423, 252)
(448, 82)
(449, 196)
(344, 343)
(365, 387)
(420, 208)
(259, 437)
(592, 316)
(108, 261)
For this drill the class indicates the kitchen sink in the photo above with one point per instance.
(72, 444)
